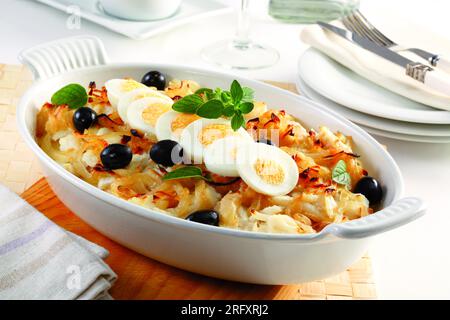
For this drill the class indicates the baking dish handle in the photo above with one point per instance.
(401, 212)
(55, 57)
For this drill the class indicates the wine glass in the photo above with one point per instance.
(241, 52)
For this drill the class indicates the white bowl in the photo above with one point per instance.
(218, 252)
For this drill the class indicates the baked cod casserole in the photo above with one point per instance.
(213, 156)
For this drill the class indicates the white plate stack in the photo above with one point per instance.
(377, 110)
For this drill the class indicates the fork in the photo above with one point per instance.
(356, 22)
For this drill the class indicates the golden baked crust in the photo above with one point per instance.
(315, 202)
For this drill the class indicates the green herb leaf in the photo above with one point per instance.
(73, 95)
(205, 93)
(228, 111)
(246, 107)
(237, 121)
(185, 172)
(248, 94)
(340, 174)
(225, 96)
(188, 104)
(217, 94)
(211, 109)
(236, 91)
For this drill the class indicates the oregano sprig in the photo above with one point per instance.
(213, 104)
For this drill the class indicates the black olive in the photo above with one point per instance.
(116, 156)
(84, 118)
(154, 79)
(370, 188)
(166, 153)
(266, 141)
(210, 217)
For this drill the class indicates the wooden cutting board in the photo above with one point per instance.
(141, 277)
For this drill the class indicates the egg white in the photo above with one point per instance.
(154, 105)
(246, 159)
(220, 156)
(129, 97)
(190, 139)
(116, 88)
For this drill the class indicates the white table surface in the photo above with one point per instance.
(410, 262)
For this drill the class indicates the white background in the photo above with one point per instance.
(410, 262)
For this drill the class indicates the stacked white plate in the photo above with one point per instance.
(377, 110)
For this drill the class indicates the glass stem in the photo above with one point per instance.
(242, 40)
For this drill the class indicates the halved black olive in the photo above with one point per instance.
(116, 156)
(370, 188)
(166, 153)
(210, 217)
(154, 79)
(83, 118)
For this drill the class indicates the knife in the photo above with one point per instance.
(416, 70)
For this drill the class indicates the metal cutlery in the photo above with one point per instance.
(357, 23)
(438, 81)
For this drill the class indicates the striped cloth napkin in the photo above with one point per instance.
(39, 260)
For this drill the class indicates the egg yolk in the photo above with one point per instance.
(181, 121)
(269, 171)
(143, 95)
(212, 132)
(153, 112)
(129, 85)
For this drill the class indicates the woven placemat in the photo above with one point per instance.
(19, 170)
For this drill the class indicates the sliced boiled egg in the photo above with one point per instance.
(116, 88)
(171, 124)
(142, 114)
(220, 156)
(201, 133)
(129, 97)
(267, 169)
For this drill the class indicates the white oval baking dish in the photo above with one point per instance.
(218, 252)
